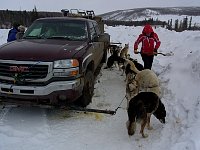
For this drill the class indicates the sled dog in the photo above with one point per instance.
(115, 59)
(127, 66)
(140, 109)
(124, 51)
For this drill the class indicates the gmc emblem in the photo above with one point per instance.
(19, 69)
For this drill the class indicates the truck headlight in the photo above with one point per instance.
(66, 68)
(68, 63)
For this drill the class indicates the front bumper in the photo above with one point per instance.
(52, 93)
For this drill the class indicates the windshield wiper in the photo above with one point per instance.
(32, 37)
(51, 37)
(60, 37)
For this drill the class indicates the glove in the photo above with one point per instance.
(155, 52)
(135, 51)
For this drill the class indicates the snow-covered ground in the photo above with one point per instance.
(27, 128)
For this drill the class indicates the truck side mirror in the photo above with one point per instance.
(104, 37)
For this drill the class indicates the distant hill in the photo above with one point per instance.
(161, 13)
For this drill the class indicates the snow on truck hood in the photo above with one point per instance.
(40, 50)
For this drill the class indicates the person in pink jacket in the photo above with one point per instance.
(150, 44)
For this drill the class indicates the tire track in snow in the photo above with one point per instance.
(3, 113)
(164, 133)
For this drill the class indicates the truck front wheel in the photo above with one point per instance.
(104, 59)
(88, 89)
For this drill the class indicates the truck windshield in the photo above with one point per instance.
(74, 30)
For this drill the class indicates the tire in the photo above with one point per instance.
(88, 89)
(104, 59)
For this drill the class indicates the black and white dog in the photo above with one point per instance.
(115, 58)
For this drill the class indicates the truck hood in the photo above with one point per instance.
(41, 50)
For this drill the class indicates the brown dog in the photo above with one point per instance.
(131, 87)
(140, 109)
(124, 51)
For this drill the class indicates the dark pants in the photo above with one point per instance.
(148, 60)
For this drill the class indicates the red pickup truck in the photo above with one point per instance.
(54, 62)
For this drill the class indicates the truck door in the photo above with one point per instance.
(96, 46)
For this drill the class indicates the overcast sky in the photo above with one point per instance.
(99, 6)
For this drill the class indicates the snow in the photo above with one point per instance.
(33, 128)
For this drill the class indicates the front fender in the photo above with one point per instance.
(87, 59)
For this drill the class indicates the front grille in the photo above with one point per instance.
(31, 71)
